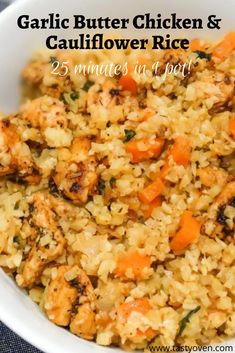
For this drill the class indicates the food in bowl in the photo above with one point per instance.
(118, 195)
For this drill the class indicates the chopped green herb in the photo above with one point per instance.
(203, 55)
(62, 97)
(101, 187)
(87, 85)
(74, 95)
(16, 239)
(183, 323)
(66, 96)
(53, 59)
(70, 99)
(112, 182)
(17, 205)
(129, 134)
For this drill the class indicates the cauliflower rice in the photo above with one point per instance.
(117, 197)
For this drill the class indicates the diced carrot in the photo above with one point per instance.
(146, 115)
(147, 333)
(153, 190)
(225, 47)
(134, 261)
(103, 319)
(151, 207)
(140, 305)
(145, 148)
(232, 127)
(181, 151)
(195, 44)
(129, 84)
(188, 233)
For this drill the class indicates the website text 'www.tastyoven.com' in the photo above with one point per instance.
(218, 348)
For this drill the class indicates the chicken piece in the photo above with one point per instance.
(225, 199)
(59, 298)
(38, 74)
(83, 323)
(210, 176)
(34, 72)
(228, 163)
(225, 97)
(108, 97)
(44, 112)
(76, 178)
(62, 207)
(71, 302)
(217, 87)
(47, 240)
(15, 157)
(226, 196)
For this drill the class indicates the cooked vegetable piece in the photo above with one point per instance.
(53, 59)
(152, 191)
(74, 95)
(129, 134)
(127, 83)
(17, 205)
(101, 187)
(203, 55)
(181, 151)
(87, 85)
(225, 47)
(183, 323)
(134, 261)
(145, 148)
(232, 127)
(188, 233)
(151, 207)
(66, 97)
(140, 305)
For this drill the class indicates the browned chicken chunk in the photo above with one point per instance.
(224, 210)
(71, 302)
(76, 178)
(47, 240)
(15, 156)
(44, 112)
(210, 176)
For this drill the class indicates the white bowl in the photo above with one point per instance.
(16, 309)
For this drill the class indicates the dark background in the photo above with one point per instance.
(9, 341)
